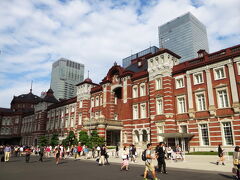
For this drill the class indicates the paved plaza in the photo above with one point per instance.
(89, 170)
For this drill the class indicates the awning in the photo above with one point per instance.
(176, 135)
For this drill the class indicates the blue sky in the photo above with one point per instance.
(34, 34)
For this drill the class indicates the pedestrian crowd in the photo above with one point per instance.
(101, 154)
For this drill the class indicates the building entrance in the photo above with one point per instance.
(113, 137)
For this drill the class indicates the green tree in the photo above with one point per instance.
(71, 138)
(54, 140)
(43, 141)
(95, 139)
(83, 137)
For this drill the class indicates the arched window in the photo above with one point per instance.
(145, 136)
(136, 136)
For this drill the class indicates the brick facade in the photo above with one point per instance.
(194, 104)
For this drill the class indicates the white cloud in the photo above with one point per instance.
(33, 34)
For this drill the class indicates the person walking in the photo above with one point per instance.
(41, 153)
(7, 151)
(148, 163)
(102, 156)
(160, 152)
(125, 158)
(75, 152)
(117, 152)
(236, 162)
(57, 154)
(79, 149)
(28, 153)
(220, 155)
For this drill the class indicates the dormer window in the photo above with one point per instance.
(139, 63)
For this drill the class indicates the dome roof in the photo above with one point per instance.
(26, 98)
(88, 80)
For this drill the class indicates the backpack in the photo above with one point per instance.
(144, 158)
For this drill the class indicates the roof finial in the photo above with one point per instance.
(31, 87)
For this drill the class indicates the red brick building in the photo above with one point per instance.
(194, 104)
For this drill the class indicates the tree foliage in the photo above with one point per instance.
(70, 139)
(54, 140)
(90, 141)
(43, 141)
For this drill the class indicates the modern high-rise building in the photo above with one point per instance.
(65, 75)
(185, 36)
(127, 61)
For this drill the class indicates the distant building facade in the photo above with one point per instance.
(185, 36)
(194, 104)
(65, 75)
(127, 61)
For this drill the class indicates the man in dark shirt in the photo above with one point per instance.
(160, 151)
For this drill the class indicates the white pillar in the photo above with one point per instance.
(232, 78)
(210, 93)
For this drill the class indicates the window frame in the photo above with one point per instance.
(135, 114)
(135, 92)
(142, 90)
(143, 113)
(196, 101)
(218, 97)
(201, 135)
(215, 73)
(195, 79)
(158, 83)
(185, 105)
(177, 84)
(158, 112)
(223, 133)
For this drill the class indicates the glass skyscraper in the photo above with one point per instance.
(127, 61)
(185, 36)
(65, 75)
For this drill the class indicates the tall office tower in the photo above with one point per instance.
(185, 36)
(65, 75)
(127, 61)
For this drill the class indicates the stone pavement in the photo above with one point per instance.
(194, 162)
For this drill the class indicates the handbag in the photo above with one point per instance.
(236, 161)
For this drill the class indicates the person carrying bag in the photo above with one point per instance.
(236, 162)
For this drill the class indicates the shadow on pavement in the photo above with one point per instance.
(226, 176)
(213, 163)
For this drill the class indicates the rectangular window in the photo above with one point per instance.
(219, 73)
(135, 92)
(158, 84)
(183, 129)
(92, 102)
(143, 110)
(222, 98)
(81, 104)
(101, 100)
(179, 83)
(135, 112)
(227, 130)
(97, 101)
(198, 78)
(80, 119)
(201, 105)
(73, 109)
(204, 134)
(115, 116)
(181, 105)
(159, 105)
(142, 90)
